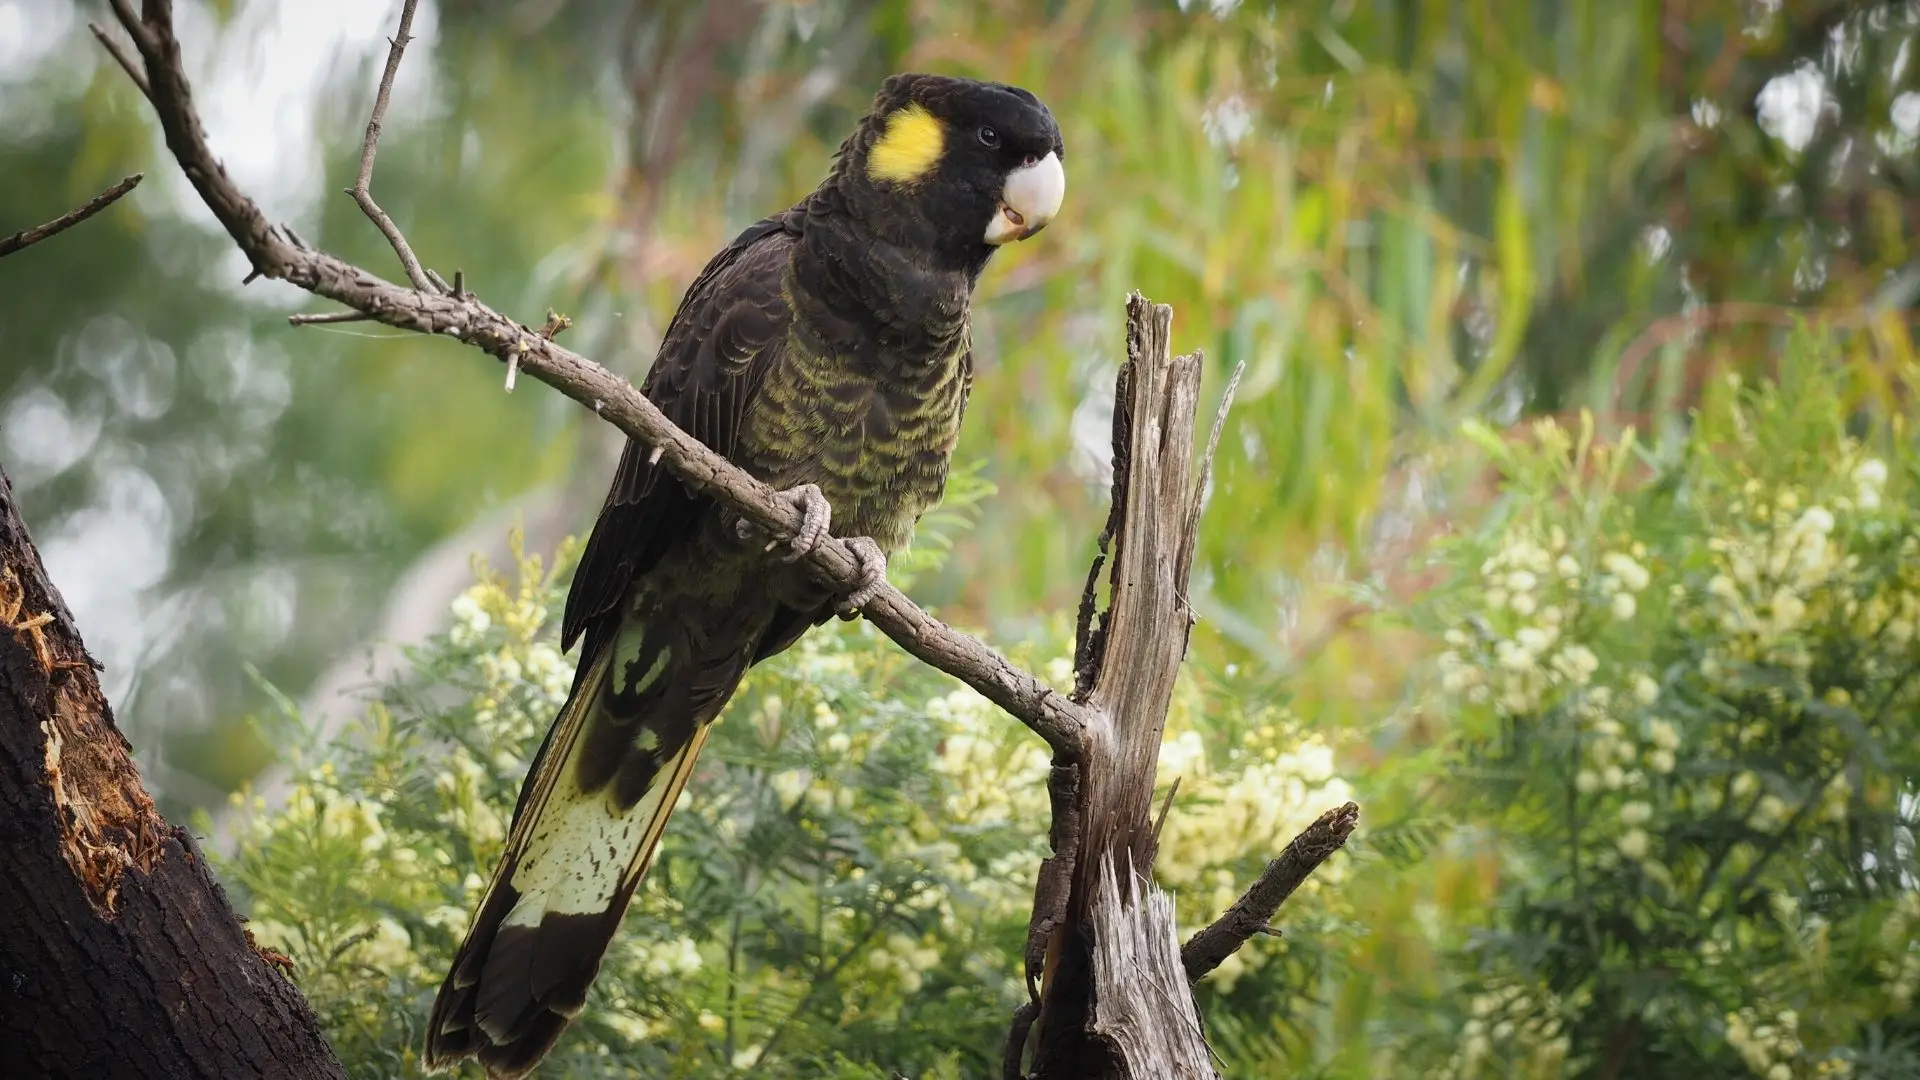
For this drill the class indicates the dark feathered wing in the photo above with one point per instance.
(714, 354)
(653, 671)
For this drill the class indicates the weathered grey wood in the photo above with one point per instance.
(1147, 619)
(1117, 1002)
(1142, 1003)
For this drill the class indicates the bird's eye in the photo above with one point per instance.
(989, 137)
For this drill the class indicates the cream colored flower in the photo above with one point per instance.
(1634, 844)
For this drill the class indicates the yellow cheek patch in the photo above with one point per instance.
(909, 149)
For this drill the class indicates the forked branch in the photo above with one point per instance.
(363, 182)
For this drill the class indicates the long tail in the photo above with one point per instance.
(590, 819)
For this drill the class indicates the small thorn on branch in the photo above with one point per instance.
(26, 238)
(549, 330)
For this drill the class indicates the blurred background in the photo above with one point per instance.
(1421, 223)
(1401, 215)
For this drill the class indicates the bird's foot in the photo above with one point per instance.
(873, 575)
(816, 517)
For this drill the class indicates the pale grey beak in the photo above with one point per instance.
(1031, 198)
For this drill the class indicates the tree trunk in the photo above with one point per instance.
(119, 954)
(1115, 999)
(1116, 1004)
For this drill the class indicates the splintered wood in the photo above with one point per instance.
(1116, 999)
(108, 822)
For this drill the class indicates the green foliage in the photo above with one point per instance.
(1685, 724)
(843, 891)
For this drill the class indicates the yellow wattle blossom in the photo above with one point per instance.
(1769, 1044)
(1513, 1030)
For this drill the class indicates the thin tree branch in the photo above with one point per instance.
(362, 184)
(120, 57)
(123, 11)
(1253, 913)
(1061, 722)
(28, 237)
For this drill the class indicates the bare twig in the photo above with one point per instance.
(1213, 437)
(1060, 721)
(120, 57)
(363, 182)
(28, 237)
(1160, 820)
(1206, 466)
(1053, 884)
(1253, 912)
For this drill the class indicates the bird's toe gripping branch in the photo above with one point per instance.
(816, 518)
(873, 575)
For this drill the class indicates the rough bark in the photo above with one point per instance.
(119, 954)
(1117, 1003)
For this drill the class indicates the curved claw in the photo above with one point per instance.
(873, 576)
(816, 517)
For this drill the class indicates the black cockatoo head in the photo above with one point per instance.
(960, 165)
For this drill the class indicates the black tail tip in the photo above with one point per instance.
(510, 1060)
(512, 992)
